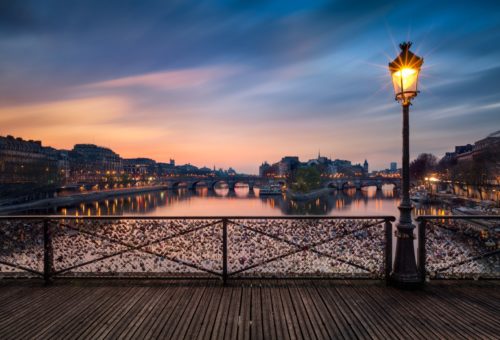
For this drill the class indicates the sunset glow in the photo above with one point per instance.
(234, 85)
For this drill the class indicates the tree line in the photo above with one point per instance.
(481, 170)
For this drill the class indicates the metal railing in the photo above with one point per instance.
(196, 247)
(459, 247)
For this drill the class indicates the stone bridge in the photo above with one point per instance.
(358, 183)
(191, 182)
(339, 183)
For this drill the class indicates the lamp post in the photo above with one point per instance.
(404, 72)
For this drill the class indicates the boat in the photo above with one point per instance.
(420, 197)
(273, 189)
(424, 197)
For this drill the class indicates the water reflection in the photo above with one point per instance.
(243, 202)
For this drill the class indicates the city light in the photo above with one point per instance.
(405, 70)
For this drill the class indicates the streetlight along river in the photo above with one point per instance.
(404, 71)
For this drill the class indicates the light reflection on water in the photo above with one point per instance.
(243, 202)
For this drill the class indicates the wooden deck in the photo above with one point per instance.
(248, 310)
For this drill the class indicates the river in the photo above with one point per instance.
(242, 202)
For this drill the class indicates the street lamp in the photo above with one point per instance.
(404, 71)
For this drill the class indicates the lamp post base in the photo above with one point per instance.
(406, 274)
(406, 281)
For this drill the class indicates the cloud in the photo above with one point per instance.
(80, 111)
(185, 79)
(225, 80)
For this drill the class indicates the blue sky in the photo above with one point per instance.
(234, 83)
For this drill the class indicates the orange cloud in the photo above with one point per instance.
(168, 80)
(64, 123)
(83, 111)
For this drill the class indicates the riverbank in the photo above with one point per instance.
(310, 195)
(75, 199)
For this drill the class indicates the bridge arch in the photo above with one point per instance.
(333, 185)
(348, 185)
(195, 183)
(230, 184)
(178, 184)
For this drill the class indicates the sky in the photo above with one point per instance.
(236, 83)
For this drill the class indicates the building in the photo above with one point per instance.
(26, 166)
(468, 152)
(464, 152)
(393, 167)
(140, 167)
(492, 142)
(264, 169)
(288, 165)
(90, 163)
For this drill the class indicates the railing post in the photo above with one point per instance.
(48, 252)
(388, 250)
(421, 249)
(224, 251)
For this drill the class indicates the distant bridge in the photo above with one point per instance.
(338, 183)
(192, 181)
(358, 183)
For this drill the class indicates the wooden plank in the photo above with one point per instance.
(144, 314)
(304, 323)
(175, 322)
(133, 314)
(340, 320)
(268, 314)
(220, 321)
(282, 331)
(10, 293)
(256, 316)
(355, 303)
(202, 313)
(244, 319)
(351, 319)
(471, 294)
(231, 331)
(424, 303)
(289, 313)
(411, 315)
(183, 292)
(51, 317)
(30, 297)
(382, 309)
(377, 312)
(472, 320)
(160, 311)
(84, 318)
(209, 320)
(255, 309)
(34, 315)
(331, 325)
(322, 330)
(186, 318)
(405, 315)
(99, 318)
(135, 295)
